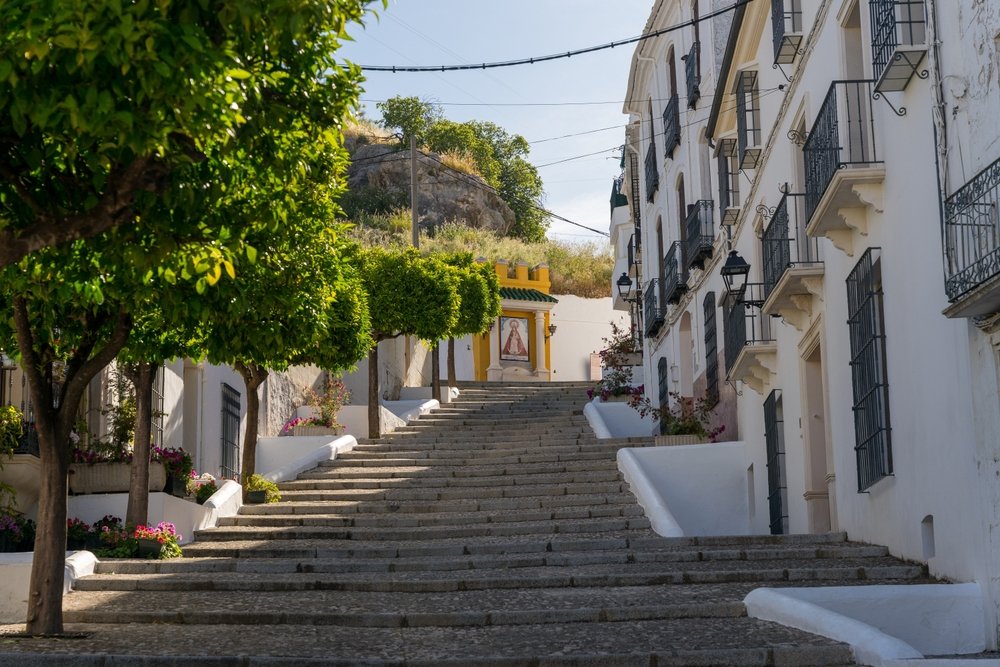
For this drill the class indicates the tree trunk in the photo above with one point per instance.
(452, 375)
(142, 376)
(374, 414)
(253, 378)
(54, 419)
(436, 372)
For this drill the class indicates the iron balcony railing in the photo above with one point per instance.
(692, 71)
(843, 136)
(652, 313)
(785, 243)
(972, 233)
(636, 202)
(671, 126)
(899, 39)
(652, 172)
(786, 26)
(745, 324)
(700, 233)
(618, 197)
(674, 273)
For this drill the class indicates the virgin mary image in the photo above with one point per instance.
(514, 346)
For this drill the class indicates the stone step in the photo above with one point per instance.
(390, 509)
(542, 457)
(385, 532)
(384, 560)
(397, 610)
(371, 481)
(761, 573)
(664, 643)
(484, 452)
(447, 516)
(432, 493)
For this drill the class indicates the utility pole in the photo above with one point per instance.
(414, 226)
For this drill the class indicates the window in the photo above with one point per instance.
(748, 119)
(711, 351)
(663, 391)
(156, 432)
(866, 322)
(729, 181)
(230, 467)
(774, 439)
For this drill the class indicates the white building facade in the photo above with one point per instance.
(843, 163)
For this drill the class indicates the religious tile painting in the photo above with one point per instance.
(514, 338)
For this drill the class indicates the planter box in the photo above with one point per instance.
(679, 440)
(148, 548)
(314, 430)
(110, 477)
(256, 497)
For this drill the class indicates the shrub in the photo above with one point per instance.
(258, 483)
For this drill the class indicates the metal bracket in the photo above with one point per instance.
(798, 137)
(782, 70)
(901, 111)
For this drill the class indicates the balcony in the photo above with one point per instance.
(671, 126)
(751, 352)
(844, 173)
(652, 172)
(674, 274)
(899, 42)
(652, 313)
(972, 245)
(793, 269)
(786, 25)
(729, 181)
(700, 234)
(692, 72)
(618, 197)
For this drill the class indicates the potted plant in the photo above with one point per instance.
(326, 407)
(178, 466)
(204, 491)
(77, 532)
(161, 542)
(16, 532)
(259, 490)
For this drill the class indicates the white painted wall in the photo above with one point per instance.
(582, 326)
(703, 487)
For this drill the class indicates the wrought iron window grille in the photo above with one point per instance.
(711, 350)
(652, 313)
(675, 273)
(748, 119)
(652, 172)
(636, 200)
(774, 440)
(866, 324)
(899, 42)
(692, 72)
(671, 126)
(786, 27)
(729, 181)
(700, 238)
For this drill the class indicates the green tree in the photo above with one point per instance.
(479, 293)
(408, 295)
(301, 301)
(102, 103)
(412, 116)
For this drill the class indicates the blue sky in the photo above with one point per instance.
(540, 101)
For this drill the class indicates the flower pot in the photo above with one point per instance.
(314, 430)
(110, 477)
(256, 497)
(148, 548)
(7, 544)
(176, 486)
(78, 544)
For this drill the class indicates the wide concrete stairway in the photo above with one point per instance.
(494, 531)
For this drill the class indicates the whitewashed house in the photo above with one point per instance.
(841, 160)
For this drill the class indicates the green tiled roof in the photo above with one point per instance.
(525, 294)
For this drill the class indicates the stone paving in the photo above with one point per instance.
(496, 531)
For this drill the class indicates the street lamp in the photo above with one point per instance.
(735, 273)
(624, 287)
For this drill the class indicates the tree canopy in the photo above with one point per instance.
(500, 157)
(108, 109)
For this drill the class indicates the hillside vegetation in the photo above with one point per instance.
(579, 269)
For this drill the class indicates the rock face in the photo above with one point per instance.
(445, 195)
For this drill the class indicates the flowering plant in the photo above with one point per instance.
(328, 404)
(686, 416)
(205, 491)
(165, 533)
(16, 531)
(177, 461)
(616, 379)
(76, 531)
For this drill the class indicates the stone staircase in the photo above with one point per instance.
(495, 531)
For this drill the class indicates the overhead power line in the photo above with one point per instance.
(555, 56)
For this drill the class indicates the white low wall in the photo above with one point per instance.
(617, 420)
(15, 577)
(411, 409)
(282, 459)
(690, 489)
(186, 516)
(881, 623)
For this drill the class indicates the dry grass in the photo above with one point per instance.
(460, 162)
(580, 269)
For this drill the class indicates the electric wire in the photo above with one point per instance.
(555, 56)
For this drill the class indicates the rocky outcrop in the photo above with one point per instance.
(445, 195)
